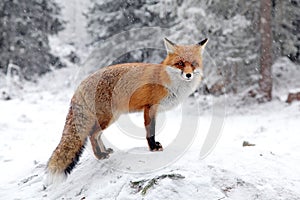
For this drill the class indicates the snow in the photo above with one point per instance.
(31, 127)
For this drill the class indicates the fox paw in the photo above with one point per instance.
(156, 147)
(104, 155)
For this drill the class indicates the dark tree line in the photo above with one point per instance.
(246, 37)
(24, 30)
(111, 17)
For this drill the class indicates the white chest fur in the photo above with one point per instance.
(178, 89)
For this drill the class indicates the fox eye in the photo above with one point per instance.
(180, 63)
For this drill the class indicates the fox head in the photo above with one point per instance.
(187, 58)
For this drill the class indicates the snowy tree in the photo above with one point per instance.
(286, 29)
(233, 39)
(265, 82)
(108, 18)
(233, 47)
(233, 29)
(24, 30)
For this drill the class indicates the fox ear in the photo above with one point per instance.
(170, 46)
(202, 44)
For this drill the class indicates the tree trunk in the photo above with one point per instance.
(265, 82)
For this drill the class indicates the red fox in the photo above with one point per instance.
(131, 87)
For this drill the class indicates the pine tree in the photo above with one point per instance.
(286, 29)
(231, 27)
(108, 18)
(24, 30)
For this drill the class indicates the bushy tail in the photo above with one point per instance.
(67, 153)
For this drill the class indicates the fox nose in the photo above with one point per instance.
(188, 75)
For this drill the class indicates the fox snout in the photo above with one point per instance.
(188, 75)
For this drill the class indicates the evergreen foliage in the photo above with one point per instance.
(24, 30)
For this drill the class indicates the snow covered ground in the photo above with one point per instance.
(31, 127)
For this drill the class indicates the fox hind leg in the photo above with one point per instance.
(100, 151)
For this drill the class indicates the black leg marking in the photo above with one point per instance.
(154, 146)
(152, 127)
(150, 121)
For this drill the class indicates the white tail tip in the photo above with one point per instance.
(55, 178)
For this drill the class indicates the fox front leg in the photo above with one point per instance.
(149, 117)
